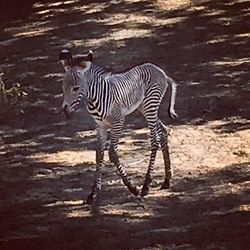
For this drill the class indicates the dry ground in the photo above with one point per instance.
(47, 163)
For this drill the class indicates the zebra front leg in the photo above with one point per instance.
(154, 148)
(165, 152)
(113, 156)
(101, 136)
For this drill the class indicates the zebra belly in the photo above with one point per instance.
(131, 108)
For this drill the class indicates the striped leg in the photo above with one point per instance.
(101, 137)
(154, 147)
(149, 109)
(165, 151)
(115, 133)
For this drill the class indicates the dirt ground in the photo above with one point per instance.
(48, 163)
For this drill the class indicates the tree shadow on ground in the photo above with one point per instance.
(203, 46)
(233, 126)
(209, 211)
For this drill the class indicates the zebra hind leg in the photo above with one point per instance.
(101, 136)
(154, 148)
(165, 152)
(113, 156)
(149, 109)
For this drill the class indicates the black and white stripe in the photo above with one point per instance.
(110, 97)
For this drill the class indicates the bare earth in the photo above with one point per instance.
(48, 164)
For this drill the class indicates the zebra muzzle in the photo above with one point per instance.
(67, 112)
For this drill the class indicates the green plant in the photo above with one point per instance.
(10, 97)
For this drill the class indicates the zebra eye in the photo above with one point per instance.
(75, 88)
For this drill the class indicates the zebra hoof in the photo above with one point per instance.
(144, 191)
(133, 190)
(91, 199)
(165, 185)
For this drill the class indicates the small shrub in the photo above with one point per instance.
(10, 98)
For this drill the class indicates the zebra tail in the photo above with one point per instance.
(173, 89)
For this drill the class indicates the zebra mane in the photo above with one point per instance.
(100, 70)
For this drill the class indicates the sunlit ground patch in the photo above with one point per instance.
(66, 158)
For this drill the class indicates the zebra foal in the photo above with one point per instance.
(110, 97)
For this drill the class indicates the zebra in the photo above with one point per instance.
(109, 98)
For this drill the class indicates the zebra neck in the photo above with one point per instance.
(100, 99)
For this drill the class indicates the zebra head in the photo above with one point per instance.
(75, 79)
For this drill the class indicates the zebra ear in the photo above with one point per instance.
(66, 59)
(90, 55)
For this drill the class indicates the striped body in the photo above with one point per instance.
(110, 97)
(122, 92)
